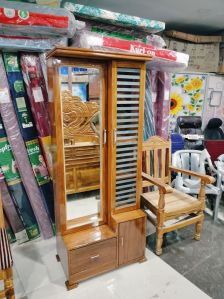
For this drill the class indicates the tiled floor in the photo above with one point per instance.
(37, 275)
(201, 262)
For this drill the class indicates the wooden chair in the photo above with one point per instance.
(169, 209)
(6, 275)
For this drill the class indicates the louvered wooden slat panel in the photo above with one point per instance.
(128, 94)
(127, 180)
(119, 187)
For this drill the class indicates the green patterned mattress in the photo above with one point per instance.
(115, 18)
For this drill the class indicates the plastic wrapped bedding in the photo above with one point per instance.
(163, 59)
(16, 188)
(149, 127)
(106, 16)
(37, 95)
(160, 89)
(17, 145)
(28, 129)
(10, 234)
(25, 42)
(33, 19)
(36, 91)
(120, 32)
(12, 214)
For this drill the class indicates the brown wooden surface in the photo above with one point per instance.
(132, 240)
(76, 248)
(88, 236)
(95, 54)
(93, 257)
(62, 253)
(112, 124)
(77, 277)
(168, 203)
(57, 148)
(158, 150)
(157, 182)
(7, 274)
(140, 134)
(173, 204)
(128, 216)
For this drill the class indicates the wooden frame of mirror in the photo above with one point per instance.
(120, 238)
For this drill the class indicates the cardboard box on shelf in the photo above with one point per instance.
(203, 57)
(198, 39)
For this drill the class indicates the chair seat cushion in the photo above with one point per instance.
(176, 203)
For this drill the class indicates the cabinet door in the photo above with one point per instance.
(127, 120)
(132, 240)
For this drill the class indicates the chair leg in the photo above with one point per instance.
(159, 242)
(198, 227)
(216, 210)
(8, 282)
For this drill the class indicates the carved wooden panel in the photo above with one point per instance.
(77, 116)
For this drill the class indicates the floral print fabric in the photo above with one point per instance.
(187, 96)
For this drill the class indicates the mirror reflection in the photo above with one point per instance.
(82, 130)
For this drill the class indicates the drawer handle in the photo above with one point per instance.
(104, 136)
(95, 257)
(115, 136)
(122, 241)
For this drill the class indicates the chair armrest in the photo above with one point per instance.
(205, 178)
(157, 182)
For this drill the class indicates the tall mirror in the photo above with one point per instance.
(84, 137)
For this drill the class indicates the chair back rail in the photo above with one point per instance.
(157, 154)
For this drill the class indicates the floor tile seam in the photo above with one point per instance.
(196, 265)
(183, 277)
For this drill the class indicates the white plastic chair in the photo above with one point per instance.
(197, 161)
(220, 167)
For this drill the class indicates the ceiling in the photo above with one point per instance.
(194, 16)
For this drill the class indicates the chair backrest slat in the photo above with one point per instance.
(158, 158)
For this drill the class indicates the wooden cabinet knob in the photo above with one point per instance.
(95, 257)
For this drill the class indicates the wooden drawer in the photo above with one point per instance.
(92, 259)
